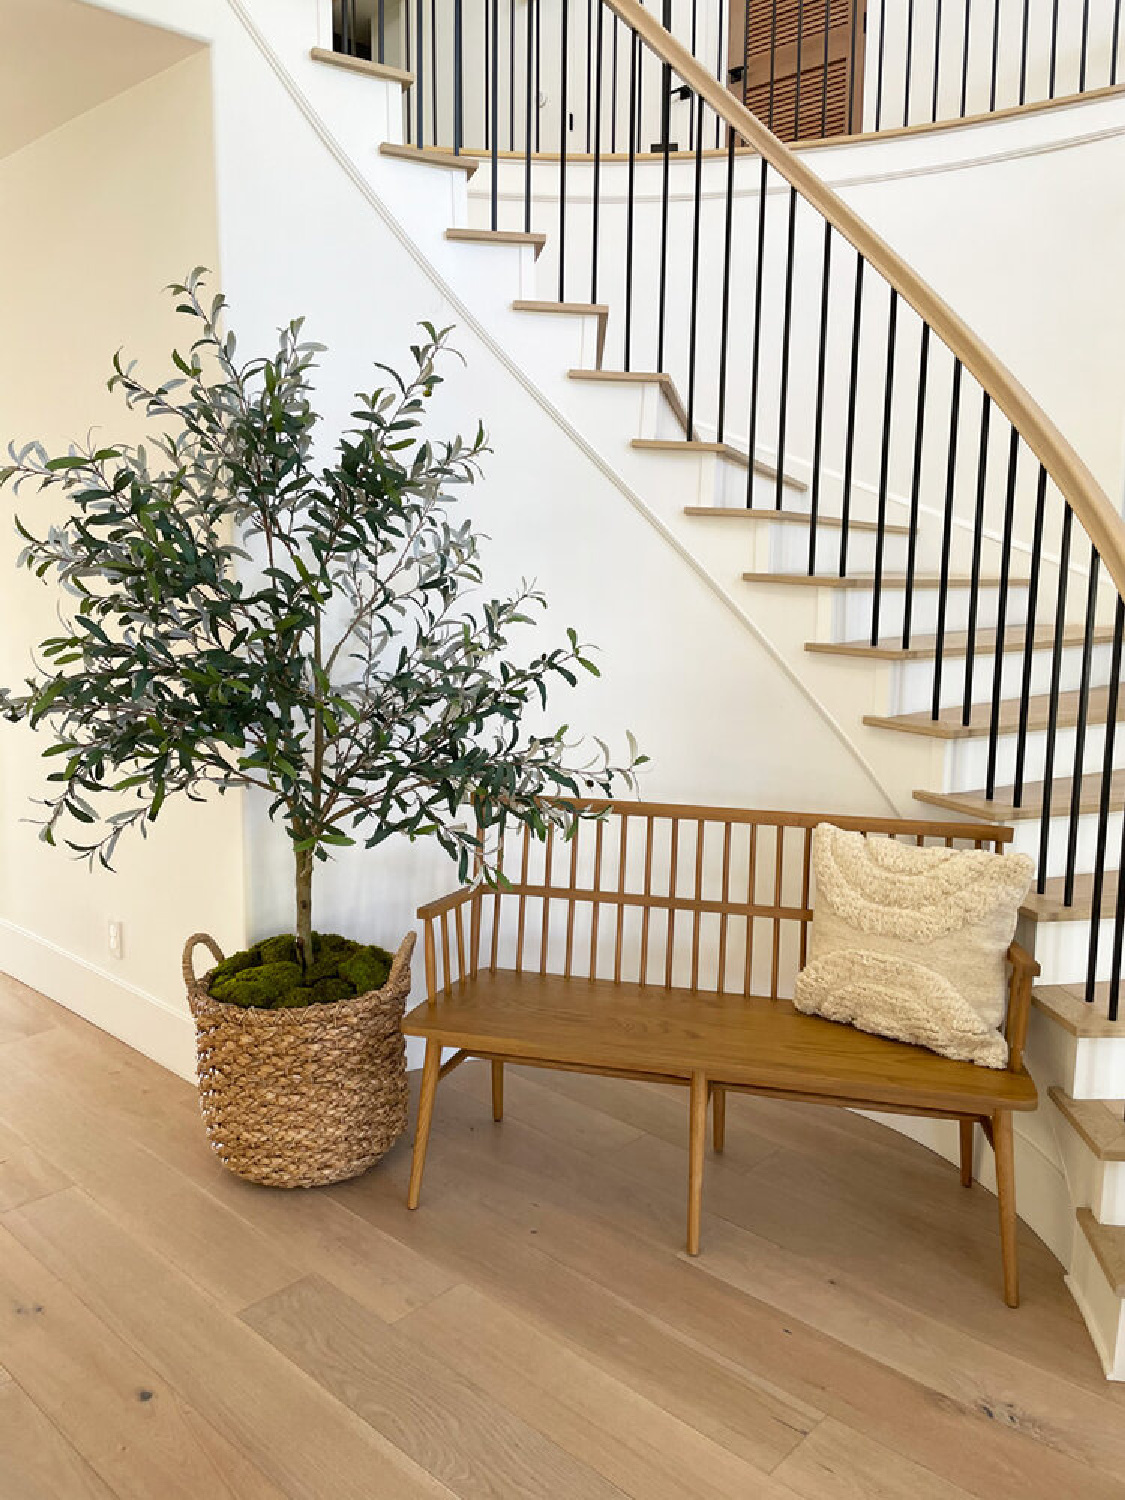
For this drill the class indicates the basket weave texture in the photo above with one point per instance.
(304, 1096)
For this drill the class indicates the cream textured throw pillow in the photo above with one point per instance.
(910, 942)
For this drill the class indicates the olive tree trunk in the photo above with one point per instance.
(304, 858)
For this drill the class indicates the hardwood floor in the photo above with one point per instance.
(535, 1329)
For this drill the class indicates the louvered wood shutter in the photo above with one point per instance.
(831, 100)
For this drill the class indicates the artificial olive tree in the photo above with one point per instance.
(248, 610)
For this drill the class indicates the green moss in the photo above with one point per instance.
(269, 976)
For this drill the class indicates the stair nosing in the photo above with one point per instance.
(1076, 1111)
(1107, 1241)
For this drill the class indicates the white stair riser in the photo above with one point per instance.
(1096, 1185)
(966, 761)
(1062, 951)
(912, 681)
(1102, 1308)
(1026, 840)
(788, 551)
(1083, 1067)
(850, 617)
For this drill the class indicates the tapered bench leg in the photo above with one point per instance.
(497, 1091)
(431, 1067)
(697, 1143)
(966, 1152)
(718, 1116)
(1006, 1192)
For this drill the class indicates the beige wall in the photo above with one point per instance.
(98, 216)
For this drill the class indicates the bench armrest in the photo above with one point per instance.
(444, 903)
(1024, 970)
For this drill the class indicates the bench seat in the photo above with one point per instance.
(743, 1041)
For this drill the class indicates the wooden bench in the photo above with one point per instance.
(658, 944)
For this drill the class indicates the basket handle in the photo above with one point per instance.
(402, 957)
(190, 946)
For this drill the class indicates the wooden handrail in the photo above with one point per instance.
(1090, 503)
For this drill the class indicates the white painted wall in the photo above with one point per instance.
(97, 217)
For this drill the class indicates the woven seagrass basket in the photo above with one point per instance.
(300, 1097)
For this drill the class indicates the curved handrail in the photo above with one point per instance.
(1089, 502)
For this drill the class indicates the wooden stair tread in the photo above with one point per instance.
(948, 726)
(735, 456)
(867, 580)
(1001, 809)
(498, 237)
(1107, 1241)
(790, 517)
(361, 65)
(1098, 1121)
(673, 1031)
(427, 156)
(599, 310)
(1049, 906)
(640, 377)
(955, 643)
(1066, 1005)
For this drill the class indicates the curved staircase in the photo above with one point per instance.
(947, 582)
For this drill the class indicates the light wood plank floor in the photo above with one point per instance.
(534, 1330)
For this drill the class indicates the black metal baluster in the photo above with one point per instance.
(666, 146)
(916, 484)
(1085, 46)
(529, 64)
(879, 65)
(946, 536)
(589, 57)
(511, 75)
(433, 71)
(347, 28)
(1114, 988)
(974, 577)
(824, 70)
(693, 318)
(849, 439)
(1098, 885)
(382, 25)
(965, 62)
(495, 115)
(420, 77)
(1115, 38)
(408, 111)
(724, 326)
(1054, 49)
(786, 334)
(884, 466)
(797, 78)
(458, 76)
(1029, 634)
(720, 66)
(613, 92)
(818, 420)
(630, 196)
(937, 57)
(1080, 728)
(995, 54)
(909, 61)
(691, 112)
(1053, 698)
(755, 355)
(563, 126)
(1023, 50)
(640, 99)
(597, 150)
(1002, 614)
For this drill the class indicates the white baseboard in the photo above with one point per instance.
(141, 1020)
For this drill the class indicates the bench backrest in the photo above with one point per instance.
(663, 894)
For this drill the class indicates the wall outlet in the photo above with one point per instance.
(115, 939)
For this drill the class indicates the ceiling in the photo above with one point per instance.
(59, 58)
